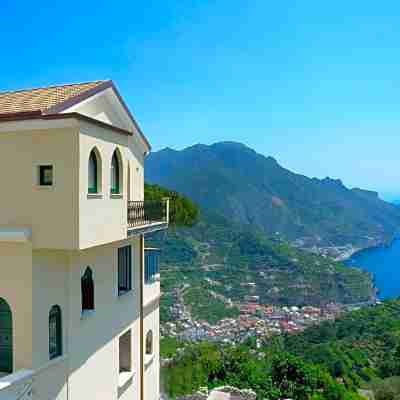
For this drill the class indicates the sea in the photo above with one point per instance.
(384, 263)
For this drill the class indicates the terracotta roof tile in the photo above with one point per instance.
(41, 99)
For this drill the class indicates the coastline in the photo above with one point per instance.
(381, 262)
(348, 254)
(384, 243)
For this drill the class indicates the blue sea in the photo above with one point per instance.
(384, 263)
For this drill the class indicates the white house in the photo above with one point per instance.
(79, 295)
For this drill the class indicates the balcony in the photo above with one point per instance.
(45, 382)
(147, 216)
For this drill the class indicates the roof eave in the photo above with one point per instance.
(38, 115)
(59, 108)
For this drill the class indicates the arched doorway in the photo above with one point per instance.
(6, 353)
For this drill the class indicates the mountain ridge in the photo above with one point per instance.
(249, 188)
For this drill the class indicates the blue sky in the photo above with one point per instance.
(314, 84)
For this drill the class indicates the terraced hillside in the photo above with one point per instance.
(219, 263)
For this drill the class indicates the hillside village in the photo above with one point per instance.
(254, 321)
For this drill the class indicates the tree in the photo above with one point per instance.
(183, 212)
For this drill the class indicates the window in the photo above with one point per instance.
(149, 343)
(124, 269)
(87, 289)
(115, 173)
(55, 332)
(45, 175)
(125, 364)
(151, 265)
(93, 172)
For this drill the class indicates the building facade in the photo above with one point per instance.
(79, 304)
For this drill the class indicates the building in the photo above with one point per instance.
(79, 307)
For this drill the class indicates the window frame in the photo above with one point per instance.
(93, 162)
(87, 291)
(55, 332)
(42, 168)
(149, 347)
(115, 181)
(151, 265)
(125, 339)
(124, 277)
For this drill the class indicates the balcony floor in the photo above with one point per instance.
(148, 228)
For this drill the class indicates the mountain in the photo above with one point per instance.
(249, 188)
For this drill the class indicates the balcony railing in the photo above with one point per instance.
(148, 212)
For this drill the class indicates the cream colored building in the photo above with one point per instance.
(79, 295)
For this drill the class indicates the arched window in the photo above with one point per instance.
(149, 342)
(87, 289)
(116, 170)
(94, 171)
(6, 338)
(55, 332)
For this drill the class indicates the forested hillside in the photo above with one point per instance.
(248, 188)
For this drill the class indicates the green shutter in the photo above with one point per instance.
(115, 189)
(92, 173)
(6, 352)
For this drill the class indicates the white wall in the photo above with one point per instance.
(152, 364)
(49, 211)
(93, 347)
(33, 282)
(151, 292)
(50, 287)
(103, 219)
(36, 280)
(16, 289)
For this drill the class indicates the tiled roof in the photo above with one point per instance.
(41, 99)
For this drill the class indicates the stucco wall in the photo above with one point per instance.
(48, 211)
(103, 218)
(151, 291)
(152, 364)
(16, 289)
(99, 107)
(63, 216)
(36, 280)
(50, 287)
(93, 347)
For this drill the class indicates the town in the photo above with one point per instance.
(255, 321)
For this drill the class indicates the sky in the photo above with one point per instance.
(314, 84)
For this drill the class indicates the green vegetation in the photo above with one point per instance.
(327, 362)
(279, 377)
(169, 347)
(182, 210)
(360, 346)
(210, 308)
(215, 259)
(386, 389)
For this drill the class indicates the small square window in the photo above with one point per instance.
(46, 175)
